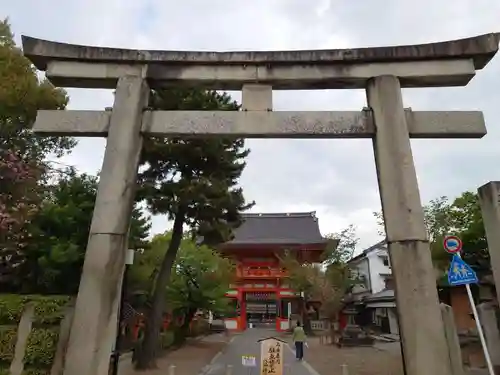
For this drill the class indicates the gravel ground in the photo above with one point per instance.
(328, 359)
(188, 360)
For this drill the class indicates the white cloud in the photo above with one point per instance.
(335, 178)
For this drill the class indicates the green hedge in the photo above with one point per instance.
(42, 341)
(11, 309)
(167, 339)
(199, 327)
(41, 348)
(8, 337)
(48, 309)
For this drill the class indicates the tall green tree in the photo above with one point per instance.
(200, 280)
(59, 233)
(193, 181)
(461, 217)
(22, 94)
(22, 153)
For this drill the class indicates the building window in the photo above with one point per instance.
(389, 283)
(385, 260)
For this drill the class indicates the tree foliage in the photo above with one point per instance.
(330, 281)
(59, 233)
(18, 204)
(461, 217)
(21, 152)
(341, 246)
(200, 278)
(194, 182)
(22, 94)
(195, 179)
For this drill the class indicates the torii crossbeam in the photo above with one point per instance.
(381, 71)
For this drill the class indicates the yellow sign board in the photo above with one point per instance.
(271, 354)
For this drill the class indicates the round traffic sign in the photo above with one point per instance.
(452, 244)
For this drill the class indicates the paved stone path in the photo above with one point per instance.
(246, 344)
(190, 359)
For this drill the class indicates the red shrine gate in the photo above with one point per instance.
(261, 295)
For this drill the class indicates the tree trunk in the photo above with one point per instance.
(150, 345)
(306, 322)
(188, 318)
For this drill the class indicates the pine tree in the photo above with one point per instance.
(193, 181)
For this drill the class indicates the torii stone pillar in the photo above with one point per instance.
(419, 318)
(91, 339)
(381, 71)
(489, 200)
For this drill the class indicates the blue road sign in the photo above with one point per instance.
(460, 273)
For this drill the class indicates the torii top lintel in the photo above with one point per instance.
(480, 48)
(477, 51)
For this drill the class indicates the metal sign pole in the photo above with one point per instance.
(453, 245)
(480, 330)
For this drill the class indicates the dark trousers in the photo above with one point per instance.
(299, 349)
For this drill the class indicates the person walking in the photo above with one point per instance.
(299, 338)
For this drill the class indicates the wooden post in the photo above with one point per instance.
(90, 342)
(422, 330)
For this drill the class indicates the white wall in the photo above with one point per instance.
(361, 269)
(372, 267)
(377, 268)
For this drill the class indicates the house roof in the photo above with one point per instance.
(363, 254)
(278, 229)
(386, 294)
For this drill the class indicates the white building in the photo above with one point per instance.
(374, 295)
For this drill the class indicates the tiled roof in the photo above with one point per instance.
(278, 228)
(378, 245)
(383, 295)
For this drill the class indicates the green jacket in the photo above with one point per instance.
(299, 334)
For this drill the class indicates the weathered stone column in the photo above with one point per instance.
(453, 342)
(422, 330)
(487, 316)
(90, 342)
(489, 197)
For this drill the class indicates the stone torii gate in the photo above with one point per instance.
(381, 71)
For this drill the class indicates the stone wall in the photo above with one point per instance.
(34, 332)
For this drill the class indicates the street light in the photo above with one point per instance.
(129, 260)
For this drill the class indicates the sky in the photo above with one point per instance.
(335, 178)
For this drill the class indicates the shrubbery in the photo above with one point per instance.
(199, 327)
(167, 339)
(43, 338)
(8, 337)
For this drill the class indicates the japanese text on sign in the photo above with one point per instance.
(272, 357)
